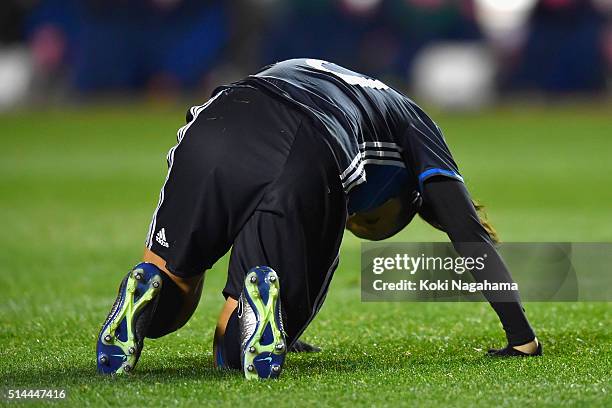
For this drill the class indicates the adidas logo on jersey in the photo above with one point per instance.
(160, 237)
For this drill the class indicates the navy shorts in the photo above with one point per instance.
(252, 173)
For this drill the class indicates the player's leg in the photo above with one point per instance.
(177, 304)
(295, 232)
(454, 211)
(217, 174)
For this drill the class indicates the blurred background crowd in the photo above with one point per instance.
(453, 53)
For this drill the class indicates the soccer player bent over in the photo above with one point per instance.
(276, 166)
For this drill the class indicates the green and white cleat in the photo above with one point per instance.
(261, 328)
(121, 339)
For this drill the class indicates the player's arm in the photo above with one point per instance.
(448, 206)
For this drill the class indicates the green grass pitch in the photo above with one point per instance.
(77, 189)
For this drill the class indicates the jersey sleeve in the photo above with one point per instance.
(425, 151)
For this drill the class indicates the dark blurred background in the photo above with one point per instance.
(461, 54)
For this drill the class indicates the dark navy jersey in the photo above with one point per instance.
(381, 139)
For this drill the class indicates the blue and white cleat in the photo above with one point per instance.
(262, 336)
(122, 336)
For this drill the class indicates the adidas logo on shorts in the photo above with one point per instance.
(160, 237)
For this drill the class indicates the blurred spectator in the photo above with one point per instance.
(172, 46)
(380, 37)
(15, 62)
(129, 44)
(327, 30)
(564, 51)
(423, 22)
(12, 14)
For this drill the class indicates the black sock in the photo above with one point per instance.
(169, 306)
(230, 343)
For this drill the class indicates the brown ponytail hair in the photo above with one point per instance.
(484, 220)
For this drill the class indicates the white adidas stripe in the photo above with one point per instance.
(355, 173)
(358, 171)
(355, 167)
(396, 163)
(195, 111)
(381, 153)
(381, 144)
(355, 182)
(351, 166)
